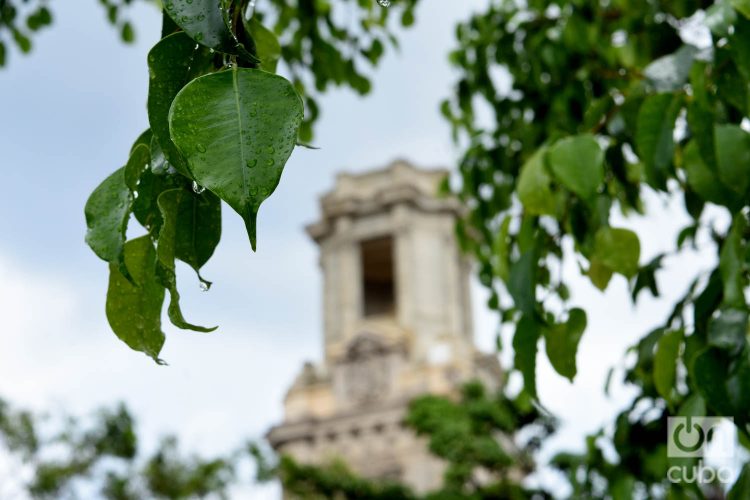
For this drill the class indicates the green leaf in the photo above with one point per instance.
(703, 180)
(237, 129)
(107, 211)
(731, 264)
(728, 330)
(719, 17)
(733, 157)
(693, 406)
(525, 341)
(159, 163)
(561, 342)
(741, 488)
(144, 138)
(173, 62)
(522, 282)
(126, 33)
(599, 274)
(739, 46)
(534, 186)
(502, 251)
(742, 6)
(197, 218)
(191, 229)
(267, 46)
(618, 249)
(134, 310)
(138, 161)
(654, 139)
(578, 163)
(204, 21)
(665, 362)
(151, 185)
(723, 380)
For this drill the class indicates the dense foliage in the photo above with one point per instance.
(611, 100)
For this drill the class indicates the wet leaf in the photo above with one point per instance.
(134, 310)
(107, 211)
(237, 128)
(204, 21)
(172, 63)
(197, 218)
(138, 161)
(190, 232)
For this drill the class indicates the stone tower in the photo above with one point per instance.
(397, 324)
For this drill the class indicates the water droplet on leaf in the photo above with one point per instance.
(251, 163)
(384, 3)
(197, 188)
(201, 148)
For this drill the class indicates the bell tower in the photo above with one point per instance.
(397, 324)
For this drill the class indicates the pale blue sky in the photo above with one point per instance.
(70, 112)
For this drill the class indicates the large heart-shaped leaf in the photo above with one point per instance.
(172, 63)
(237, 128)
(134, 309)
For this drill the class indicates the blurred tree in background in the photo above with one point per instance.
(68, 457)
(611, 102)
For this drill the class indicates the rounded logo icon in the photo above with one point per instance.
(685, 428)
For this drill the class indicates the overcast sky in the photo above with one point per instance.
(70, 112)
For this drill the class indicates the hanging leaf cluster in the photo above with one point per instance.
(222, 125)
(592, 104)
